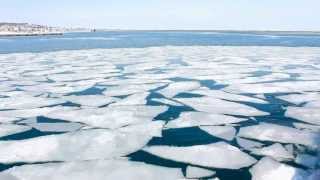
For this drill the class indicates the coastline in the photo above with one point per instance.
(29, 34)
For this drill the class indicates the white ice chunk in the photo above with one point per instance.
(110, 117)
(276, 151)
(9, 129)
(216, 155)
(29, 113)
(228, 96)
(267, 169)
(27, 102)
(306, 114)
(224, 132)
(93, 170)
(278, 133)
(300, 98)
(56, 127)
(134, 99)
(189, 119)
(91, 100)
(166, 101)
(196, 172)
(178, 87)
(247, 144)
(304, 126)
(80, 145)
(131, 89)
(218, 106)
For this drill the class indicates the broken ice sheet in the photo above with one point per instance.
(134, 99)
(218, 106)
(268, 168)
(216, 155)
(11, 115)
(307, 114)
(93, 170)
(228, 96)
(178, 87)
(276, 151)
(196, 172)
(27, 102)
(278, 133)
(90, 100)
(80, 145)
(109, 117)
(190, 119)
(56, 127)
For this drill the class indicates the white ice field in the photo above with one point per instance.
(162, 113)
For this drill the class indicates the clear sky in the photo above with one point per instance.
(167, 14)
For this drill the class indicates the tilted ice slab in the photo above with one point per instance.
(267, 169)
(110, 117)
(216, 155)
(9, 129)
(277, 87)
(56, 127)
(166, 101)
(93, 170)
(309, 127)
(122, 90)
(189, 119)
(223, 132)
(196, 172)
(276, 151)
(307, 114)
(80, 145)
(278, 133)
(11, 115)
(178, 87)
(134, 99)
(247, 144)
(91, 100)
(218, 106)
(228, 96)
(300, 98)
(27, 102)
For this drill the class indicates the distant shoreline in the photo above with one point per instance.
(29, 34)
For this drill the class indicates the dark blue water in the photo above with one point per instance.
(139, 39)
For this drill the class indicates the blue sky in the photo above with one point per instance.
(167, 14)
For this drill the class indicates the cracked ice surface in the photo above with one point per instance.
(160, 106)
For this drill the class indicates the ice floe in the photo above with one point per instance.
(90, 100)
(196, 172)
(178, 87)
(248, 144)
(278, 133)
(189, 119)
(27, 102)
(276, 151)
(109, 117)
(218, 106)
(307, 114)
(267, 169)
(216, 155)
(80, 145)
(228, 96)
(94, 170)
